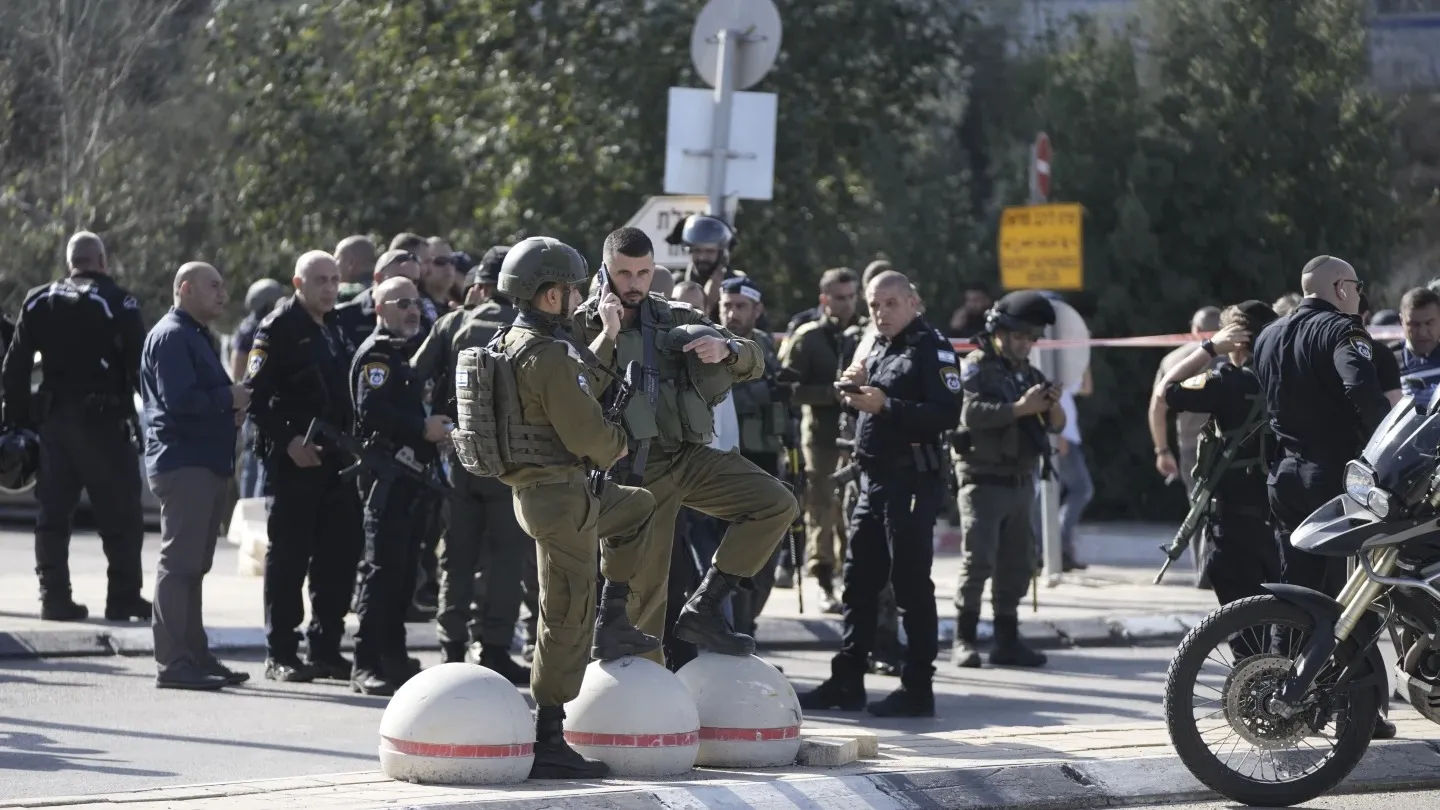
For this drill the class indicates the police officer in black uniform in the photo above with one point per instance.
(88, 332)
(297, 371)
(390, 406)
(357, 316)
(1316, 366)
(482, 536)
(906, 396)
(1243, 553)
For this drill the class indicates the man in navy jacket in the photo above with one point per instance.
(192, 411)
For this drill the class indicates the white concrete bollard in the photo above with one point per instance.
(749, 714)
(635, 716)
(457, 724)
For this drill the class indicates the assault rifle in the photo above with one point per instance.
(378, 456)
(792, 474)
(623, 391)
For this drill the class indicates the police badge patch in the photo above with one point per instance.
(252, 366)
(1362, 348)
(1195, 383)
(376, 374)
(951, 376)
(584, 383)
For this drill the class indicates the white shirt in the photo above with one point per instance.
(1071, 433)
(727, 426)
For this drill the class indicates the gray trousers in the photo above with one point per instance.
(192, 505)
(483, 537)
(999, 544)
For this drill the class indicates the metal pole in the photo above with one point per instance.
(720, 125)
(1049, 489)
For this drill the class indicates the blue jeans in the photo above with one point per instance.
(1076, 491)
(252, 472)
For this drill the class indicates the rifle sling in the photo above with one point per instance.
(651, 385)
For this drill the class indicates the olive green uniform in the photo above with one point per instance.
(481, 536)
(814, 352)
(554, 504)
(682, 470)
(997, 483)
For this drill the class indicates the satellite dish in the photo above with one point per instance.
(756, 26)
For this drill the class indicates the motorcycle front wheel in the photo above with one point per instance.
(1225, 726)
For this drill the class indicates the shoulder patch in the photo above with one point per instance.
(375, 374)
(130, 302)
(1363, 347)
(1197, 382)
(951, 377)
(584, 384)
(254, 362)
(947, 357)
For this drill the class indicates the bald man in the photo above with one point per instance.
(356, 257)
(357, 316)
(192, 410)
(1316, 367)
(297, 372)
(88, 332)
(389, 405)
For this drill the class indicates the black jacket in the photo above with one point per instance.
(917, 371)
(389, 399)
(297, 372)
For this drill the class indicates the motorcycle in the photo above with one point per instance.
(1271, 700)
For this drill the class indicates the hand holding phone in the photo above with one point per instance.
(847, 387)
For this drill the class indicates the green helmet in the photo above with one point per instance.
(711, 380)
(536, 261)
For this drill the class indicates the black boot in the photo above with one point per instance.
(1010, 650)
(554, 758)
(124, 609)
(910, 700)
(702, 621)
(615, 636)
(964, 653)
(845, 689)
(452, 652)
(331, 665)
(499, 660)
(63, 609)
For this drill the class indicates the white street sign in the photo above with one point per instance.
(750, 170)
(659, 216)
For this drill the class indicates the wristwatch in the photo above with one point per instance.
(734, 347)
(1209, 346)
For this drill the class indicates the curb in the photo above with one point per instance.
(1391, 766)
(773, 633)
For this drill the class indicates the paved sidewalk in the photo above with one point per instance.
(1070, 767)
(1111, 603)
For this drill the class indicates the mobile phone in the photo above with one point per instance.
(847, 388)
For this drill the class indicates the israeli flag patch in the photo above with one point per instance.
(946, 357)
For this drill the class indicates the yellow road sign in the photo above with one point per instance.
(1040, 247)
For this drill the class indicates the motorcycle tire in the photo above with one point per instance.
(1184, 670)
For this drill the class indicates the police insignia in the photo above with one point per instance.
(1195, 383)
(130, 302)
(952, 379)
(970, 370)
(584, 383)
(1362, 348)
(252, 365)
(947, 358)
(376, 374)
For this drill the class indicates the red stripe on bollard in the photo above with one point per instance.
(453, 751)
(633, 740)
(749, 734)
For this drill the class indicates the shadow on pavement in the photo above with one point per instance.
(226, 742)
(26, 751)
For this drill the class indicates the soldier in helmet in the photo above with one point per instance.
(1010, 408)
(905, 395)
(689, 367)
(559, 381)
(708, 239)
(482, 533)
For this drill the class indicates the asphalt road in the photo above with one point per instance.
(1364, 801)
(89, 725)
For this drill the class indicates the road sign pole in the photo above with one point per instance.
(1051, 542)
(720, 125)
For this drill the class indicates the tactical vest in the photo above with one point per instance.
(1217, 451)
(681, 414)
(492, 438)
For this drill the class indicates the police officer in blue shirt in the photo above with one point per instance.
(906, 395)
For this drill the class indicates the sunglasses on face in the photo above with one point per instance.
(1359, 285)
(405, 303)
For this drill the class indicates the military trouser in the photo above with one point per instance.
(999, 543)
(80, 451)
(482, 536)
(823, 532)
(723, 485)
(571, 527)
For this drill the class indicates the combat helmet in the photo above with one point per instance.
(534, 262)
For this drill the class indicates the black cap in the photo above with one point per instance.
(742, 285)
(1258, 314)
(1023, 309)
(462, 262)
(487, 271)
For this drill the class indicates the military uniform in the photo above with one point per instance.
(673, 424)
(814, 352)
(1316, 368)
(482, 535)
(901, 493)
(1243, 553)
(88, 332)
(298, 371)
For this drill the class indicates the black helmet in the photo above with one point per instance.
(703, 229)
(1025, 310)
(19, 460)
(487, 270)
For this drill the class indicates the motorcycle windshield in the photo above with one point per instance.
(1405, 444)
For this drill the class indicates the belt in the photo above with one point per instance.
(995, 480)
